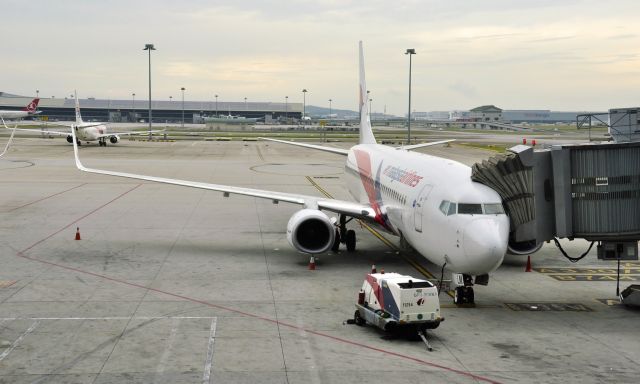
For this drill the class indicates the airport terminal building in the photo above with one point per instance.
(163, 111)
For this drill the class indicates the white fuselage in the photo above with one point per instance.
(413, 195)
(90, 132)
(7, 115)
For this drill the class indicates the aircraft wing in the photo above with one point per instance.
(339, 206)
(129, 133)
(416, 146)
(338, 151)
(10, 138)
(41, 131)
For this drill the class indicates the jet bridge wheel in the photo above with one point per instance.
(351, 240)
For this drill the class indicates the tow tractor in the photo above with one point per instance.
(399, 304)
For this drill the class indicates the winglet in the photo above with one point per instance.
(78, 117)
(366, 133)
(75, 149)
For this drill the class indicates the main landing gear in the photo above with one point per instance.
(102, 142)
(344, 235)
(464, 293)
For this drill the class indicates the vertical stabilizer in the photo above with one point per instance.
(366, 134)
(78, 117)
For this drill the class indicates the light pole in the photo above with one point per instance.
(286, 107)
(330, 108)
(304, 103)
(370, 100)
(245, 106)
(182, 89)
(216, 105)
(38, 93)
(409, 52)
(149, 47)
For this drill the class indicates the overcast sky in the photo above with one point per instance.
(559, 55)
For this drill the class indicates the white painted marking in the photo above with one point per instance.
(194, 143)
(212, 338)
(167, 350)
(15, 343)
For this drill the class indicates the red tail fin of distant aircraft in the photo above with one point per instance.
(32, 106)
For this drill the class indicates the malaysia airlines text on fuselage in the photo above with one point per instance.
(410, 202)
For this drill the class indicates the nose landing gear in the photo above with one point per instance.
(102, 142)
(463, 293)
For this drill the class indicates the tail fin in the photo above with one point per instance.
(32, 106)
(78, 117)
(366, 133)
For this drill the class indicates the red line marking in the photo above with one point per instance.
(317, 333)
(44, 198)
(78, 219)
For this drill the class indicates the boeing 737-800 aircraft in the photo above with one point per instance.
(29, 110)
(89, 131)
(428, 201)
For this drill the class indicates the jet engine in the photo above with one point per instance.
(70, 139)
(311, 231)
(114, 139)
(523, 248)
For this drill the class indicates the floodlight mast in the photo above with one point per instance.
(149, 47)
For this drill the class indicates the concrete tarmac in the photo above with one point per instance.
(177, 285)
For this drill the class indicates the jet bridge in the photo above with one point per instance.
(589, 191)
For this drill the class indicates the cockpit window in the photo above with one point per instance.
(493, 209)
(470, 209)
(452, 209)
(444, 206)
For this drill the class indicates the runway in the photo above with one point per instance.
(176, 285)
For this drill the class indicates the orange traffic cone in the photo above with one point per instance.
(528, 269)
(312, 264)
(78, 233)
(373, 268)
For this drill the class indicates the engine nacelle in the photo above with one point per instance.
(523, 248)
(114, 139)
(311, 231)
(70, 139)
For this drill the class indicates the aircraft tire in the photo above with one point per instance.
(336, 243)
(351, 240)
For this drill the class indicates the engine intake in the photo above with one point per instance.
(523, 248)
(113, 139)
(310, 231)
(70, 139)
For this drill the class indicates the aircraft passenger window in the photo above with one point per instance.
(470, 209)
(452, 209)
(444, 206)
(493, 209)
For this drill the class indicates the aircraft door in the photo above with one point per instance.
(418, 207)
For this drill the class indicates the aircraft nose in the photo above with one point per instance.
(485, 243)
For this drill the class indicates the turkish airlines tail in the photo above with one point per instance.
(366, 133)
(32, 106)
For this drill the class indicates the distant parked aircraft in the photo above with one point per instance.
(29, 110)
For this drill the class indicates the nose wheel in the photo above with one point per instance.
(102, 142)
(464, 294)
